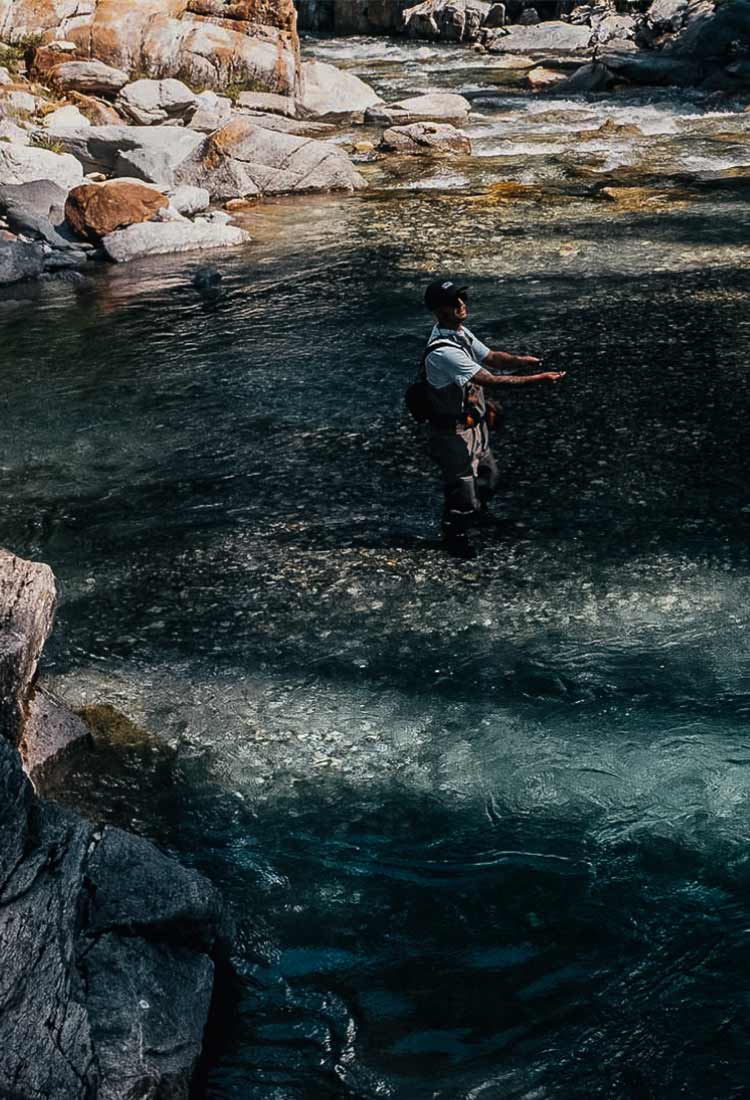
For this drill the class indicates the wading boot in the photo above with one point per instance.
(487, 521)
(458, 546)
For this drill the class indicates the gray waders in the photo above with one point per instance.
(469, 474)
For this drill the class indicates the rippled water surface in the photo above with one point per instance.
(484, 827)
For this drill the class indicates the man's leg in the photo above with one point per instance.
(488, 477)
(453, 455)
(461, 506)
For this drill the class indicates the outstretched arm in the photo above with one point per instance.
(486, 378)
(503, 360)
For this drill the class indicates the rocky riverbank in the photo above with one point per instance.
(104, 152)
(129, 131)
(109, 947)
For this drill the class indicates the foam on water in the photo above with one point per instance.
(445, 180)
(694, 163)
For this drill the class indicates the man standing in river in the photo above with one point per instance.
(458, 368)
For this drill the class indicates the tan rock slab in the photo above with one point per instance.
(545, 78)
(268, 103)
(97, 111)
(94, 210)
(610, 128)
(645, 198)
(507, 192)
(28, 599)
(51, 729)
(513, 61)
(237, 205)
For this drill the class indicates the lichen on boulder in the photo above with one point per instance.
(202, 42)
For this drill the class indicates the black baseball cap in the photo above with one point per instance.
(443, 292)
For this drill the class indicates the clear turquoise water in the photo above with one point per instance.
(484, 829)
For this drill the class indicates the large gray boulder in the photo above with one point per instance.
(614, 28)
(426, 139)
(12, 134)
(654, 69)
(434, 107)
(148, 164)
(549, 37)
(327, 90)
(36, 210)
(591, 77)
(26, 163)
(213, 112)
(23, 221)
(91, 77)
(151, 102)
(189, 200)
(18, 102)
(42, 197)
(245, 159)
(713, 34)
(666, 16)
(65, 118)
(157, 238)
(99, 148)
(451, 20)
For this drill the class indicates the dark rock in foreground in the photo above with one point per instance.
(108, 946)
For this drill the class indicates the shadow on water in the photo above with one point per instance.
(480, 935)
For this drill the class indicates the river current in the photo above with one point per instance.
(484, 827)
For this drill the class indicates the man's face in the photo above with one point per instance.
(461, 310)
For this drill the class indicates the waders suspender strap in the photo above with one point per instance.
(433, 346)
(442, 342)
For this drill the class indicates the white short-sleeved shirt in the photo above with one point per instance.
(449, 371)
(455, 365)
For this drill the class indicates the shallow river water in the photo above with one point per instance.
(484, 827)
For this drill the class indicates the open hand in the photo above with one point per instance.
(553, 375)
